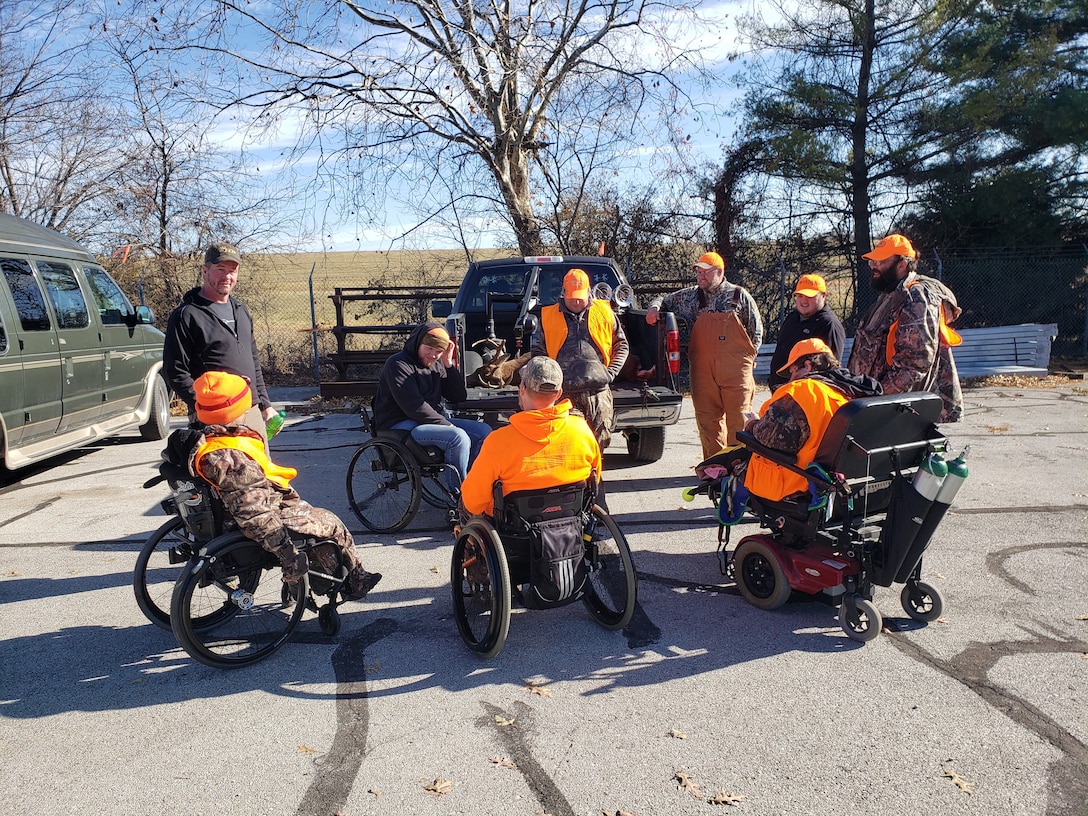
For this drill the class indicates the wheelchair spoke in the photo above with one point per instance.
(383, 485)
(611, 586)
(240, 589)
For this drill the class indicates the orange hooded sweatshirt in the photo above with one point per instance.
(541, 448)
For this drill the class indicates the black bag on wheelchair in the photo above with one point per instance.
(557, 566)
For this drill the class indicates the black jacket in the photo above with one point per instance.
(409, 390)
(824, 324)
(197, 341)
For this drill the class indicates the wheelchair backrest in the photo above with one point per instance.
(867, 434)
(871, 439)
(544, 504)
(197, 502)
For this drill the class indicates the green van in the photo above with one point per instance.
(77, 362)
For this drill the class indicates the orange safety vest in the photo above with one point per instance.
(819, 401)
(254, 449)
(949, 336)
(601, 324)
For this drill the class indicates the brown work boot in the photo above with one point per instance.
(294, 567)
(360, 583)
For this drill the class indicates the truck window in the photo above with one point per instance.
(29, 303)
(65, 294)
(112, 304)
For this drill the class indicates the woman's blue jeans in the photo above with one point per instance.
(460, 442)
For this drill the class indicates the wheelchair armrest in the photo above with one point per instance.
(787, 461)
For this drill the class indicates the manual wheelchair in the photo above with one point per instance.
(199, 577)
(860, 525)
(390, 473)
(547, 548)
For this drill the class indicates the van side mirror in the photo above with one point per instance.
(441, 308)
(144, 315)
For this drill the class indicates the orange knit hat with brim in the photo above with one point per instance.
(221, 398)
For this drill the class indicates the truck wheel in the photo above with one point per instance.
(158, 422)
(646, 444)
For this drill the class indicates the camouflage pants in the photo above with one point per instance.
(304, 521)
(597, 408)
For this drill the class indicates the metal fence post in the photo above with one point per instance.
(1084, 334)
(313, 325)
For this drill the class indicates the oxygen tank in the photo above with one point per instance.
(930, 475)
(956, 474)
(906, 515)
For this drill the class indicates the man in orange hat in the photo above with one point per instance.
(795, 419)
(905, 339)
(585, 337)
(726, 331)
(810, 318)
(255, 491)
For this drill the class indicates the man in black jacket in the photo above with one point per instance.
(812, 318)
(412, 386)
(212, 331)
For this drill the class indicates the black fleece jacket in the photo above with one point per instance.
(197, 341)
(409, 390)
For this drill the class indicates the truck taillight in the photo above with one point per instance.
(672, 350)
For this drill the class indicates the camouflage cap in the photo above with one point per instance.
(221, 251)
(542, 375)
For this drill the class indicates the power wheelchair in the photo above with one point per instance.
(391, 473)
(547, 548)
(860, 525)
(219, 592)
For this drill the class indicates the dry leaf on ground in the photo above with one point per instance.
(961, 783)
(723, 798)
(440, 787)
(306, 749)
(677, 734)
(688, 784)
(502, 721)
(541, 690)
(502, 762)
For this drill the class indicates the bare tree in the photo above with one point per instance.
(494, 100)
(56, 134)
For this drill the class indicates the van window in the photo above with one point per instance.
(112, 304)
(63, 288)
(3, 337)
(27, 295)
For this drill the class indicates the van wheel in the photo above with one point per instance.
(646, 444)
(158, 423)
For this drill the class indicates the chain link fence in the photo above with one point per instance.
(294, 311)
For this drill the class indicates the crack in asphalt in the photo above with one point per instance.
(339, 768)
(513, 739)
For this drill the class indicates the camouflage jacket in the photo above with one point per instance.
(256, 505)
(688, 303)
(920, 361)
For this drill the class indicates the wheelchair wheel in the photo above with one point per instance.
(328, 618)
(921, 601)
(862, 625)
(434, 492)
(383, 485)
(611, 586)
(480, 582)
(252, 617)
(759, 574)
(158, 566)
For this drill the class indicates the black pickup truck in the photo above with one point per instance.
(501, 300)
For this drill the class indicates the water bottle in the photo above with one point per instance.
(930, 475)
(272, 427)
(957, 473)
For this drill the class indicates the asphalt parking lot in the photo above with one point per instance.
(702, 704)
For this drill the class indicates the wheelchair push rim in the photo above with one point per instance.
(383, 485)
(160, 562)
(238, 583)
(480, 585)
(611, 588)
